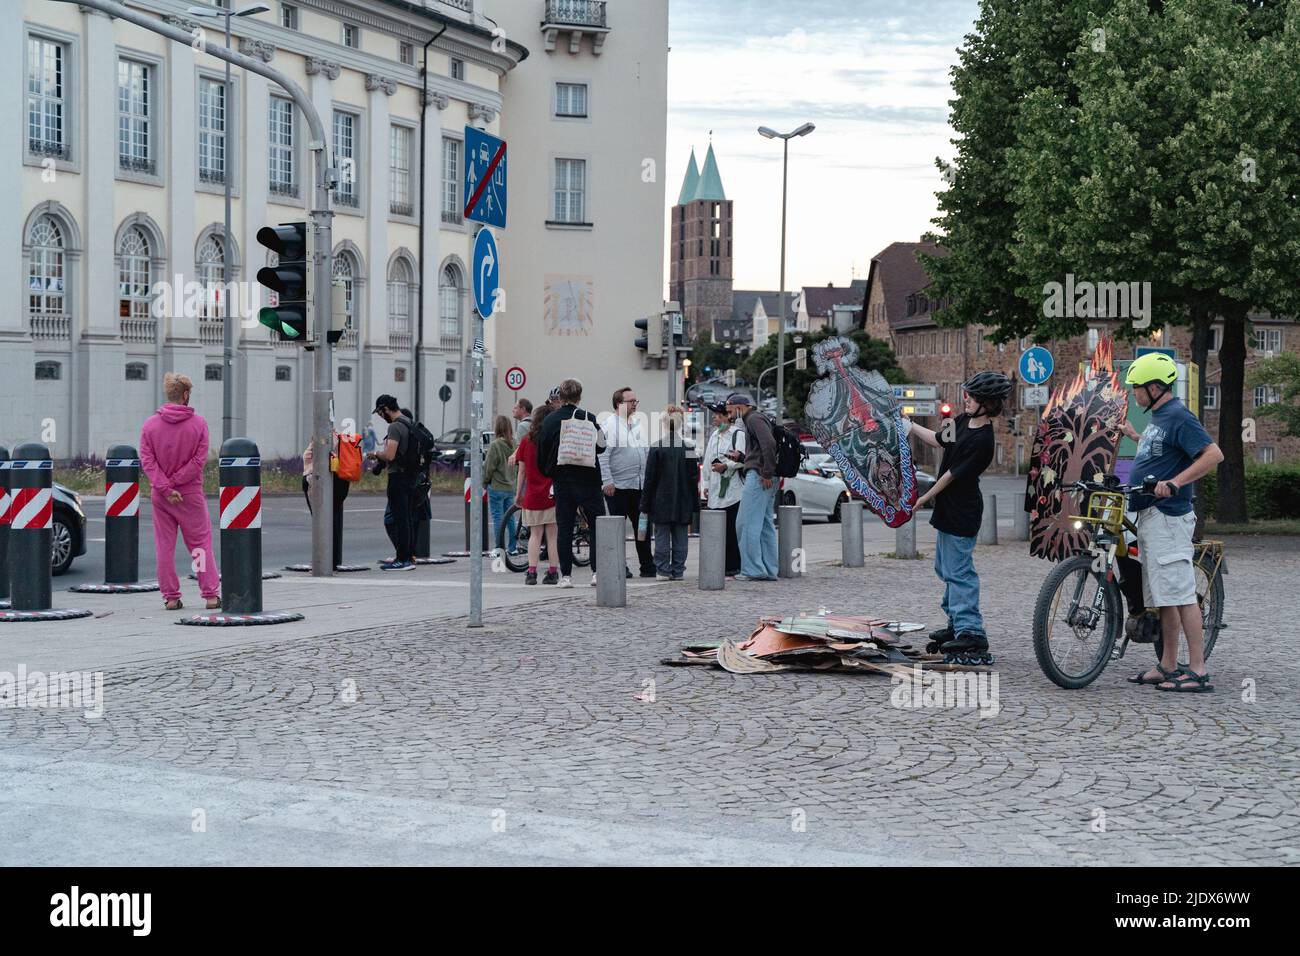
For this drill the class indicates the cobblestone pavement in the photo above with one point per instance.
(538, 717)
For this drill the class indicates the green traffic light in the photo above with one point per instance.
(271, 319)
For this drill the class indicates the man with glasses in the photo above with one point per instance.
(622, 470)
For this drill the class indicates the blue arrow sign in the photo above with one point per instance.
(1036, 365)
(485, 178)
(487, 272)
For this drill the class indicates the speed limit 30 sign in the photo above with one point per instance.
(515, 379)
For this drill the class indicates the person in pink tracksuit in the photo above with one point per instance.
(173, 450)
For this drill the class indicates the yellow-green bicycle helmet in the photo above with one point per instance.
(1152, 368)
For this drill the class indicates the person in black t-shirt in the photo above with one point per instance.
(958, 510)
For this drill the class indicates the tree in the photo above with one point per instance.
(1283, 374)
(708, 354)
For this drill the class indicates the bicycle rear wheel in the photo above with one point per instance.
(516, 560)
(1209, 595)
(581, 544)
(1077, 620)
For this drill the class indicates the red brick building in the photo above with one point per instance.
(898, 308)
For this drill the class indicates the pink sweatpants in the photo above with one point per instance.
(191, 516)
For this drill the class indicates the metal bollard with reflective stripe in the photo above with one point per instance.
(31, 527)
(122, 516)
(241, 527)
(4, 522)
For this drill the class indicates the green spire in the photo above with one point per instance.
(710, 184)
(690, 182)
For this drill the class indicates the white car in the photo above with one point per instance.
(818, 488)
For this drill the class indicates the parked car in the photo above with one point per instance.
(924, 482)
(69, 525)
(450, 447)
(818, 488)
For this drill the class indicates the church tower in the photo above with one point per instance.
(700, 268)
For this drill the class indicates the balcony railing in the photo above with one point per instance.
(46, 327)
(348, 339)
(215, 176)
(465, 5)
(401, 209)
(134, 164)
(350, 200)
(283, 189)
(211, 331)
(578, 13)
(46, 147)
(452, 217)
(400, 341)
(139, 330)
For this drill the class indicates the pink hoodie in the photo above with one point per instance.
(173, 450)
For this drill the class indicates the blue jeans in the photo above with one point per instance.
(756, 528)
(955, 565)
(499, 502)
(670, 548)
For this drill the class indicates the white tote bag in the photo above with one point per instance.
(577, 443)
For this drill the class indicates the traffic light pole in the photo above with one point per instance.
(322, 529)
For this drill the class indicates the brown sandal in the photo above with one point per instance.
(214, 604)
(175, 605)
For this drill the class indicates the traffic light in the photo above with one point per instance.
(729, 376)
(290, 279)
(653, 339)
(338, 311)
(945, 410)
(800, 359)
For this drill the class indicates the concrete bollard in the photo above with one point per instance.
(4, 522)
(789, 541)
(122, 515)
(713, 549)
(610, 561)
(31, 537)
(851, 534)
(241, 526)
(905, 539)
(1021, 519)
(989, 524)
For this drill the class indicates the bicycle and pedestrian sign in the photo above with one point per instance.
(1035, 365)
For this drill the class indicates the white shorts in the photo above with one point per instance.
(1165, 550)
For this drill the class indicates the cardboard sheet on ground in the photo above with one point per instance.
(1076, 439)
(854, 416)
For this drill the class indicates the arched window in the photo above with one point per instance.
(449, 319)
(133, 284)
(399, 304)
(344, 268)
(46, 273)
(210, 268)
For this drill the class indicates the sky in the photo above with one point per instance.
(873, 75)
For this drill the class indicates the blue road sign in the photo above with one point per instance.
(485, 178)
(1035, 365)
(1144, 349)
(487, 272)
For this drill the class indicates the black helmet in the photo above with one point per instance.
(988, 385)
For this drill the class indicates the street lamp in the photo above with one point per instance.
(228, 330)
(768, 133)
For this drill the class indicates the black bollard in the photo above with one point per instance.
(31, 527)
(122, 516)
(4, 522)
(241, 527)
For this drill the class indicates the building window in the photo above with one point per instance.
(137, 372)
(134, 116)
(47, 98)
(399, 171)
(570, 99)
(48, 371)
(1211, 397)
(345, 373)
(1266, 395)
(399, 374)
(457, 69)
(288, 16)
(212, 131)
(1267, 340)
(133, 275)
(1216, 338)
(280, 144)
(399, 304)
(343, 269)
(449, 298)
(406, 53)
(451, 375)
(571, 190)
(345, 139)
(1266, 453)
(451, 211)
(283, 373)
(352, 36)
(45, 271)
(210, 269)
(212, 373)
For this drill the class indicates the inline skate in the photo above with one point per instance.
(939, 638)
(967, 649)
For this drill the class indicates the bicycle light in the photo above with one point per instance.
(1078, 526)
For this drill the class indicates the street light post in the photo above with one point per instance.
(769, 133)
(227, 330)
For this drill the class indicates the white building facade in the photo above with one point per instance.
(113, 241)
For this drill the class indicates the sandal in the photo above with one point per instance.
(175, 605)
(1187, 681)
(214, 604)
(1140, 677)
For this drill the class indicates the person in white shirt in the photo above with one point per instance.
(622, 470)
(722, 472)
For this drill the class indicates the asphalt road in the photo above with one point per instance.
(286, 534)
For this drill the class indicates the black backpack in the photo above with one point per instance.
(428, 446)
(418, 455)
(789, 450)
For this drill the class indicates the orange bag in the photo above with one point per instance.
(346, 461)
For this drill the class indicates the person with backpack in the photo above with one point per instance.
(345, 468)
(755, 520)
(568, 447)
(499, 477)
(400, 454)
(723, 459)
(421, 511)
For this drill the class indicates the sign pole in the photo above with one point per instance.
(476, 479)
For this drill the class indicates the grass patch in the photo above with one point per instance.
(919, 556)
(1265, 526)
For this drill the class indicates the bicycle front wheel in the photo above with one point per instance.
(516, 560)
(581, 545)
(1077, 620)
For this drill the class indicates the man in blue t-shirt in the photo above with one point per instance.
(1176, 450)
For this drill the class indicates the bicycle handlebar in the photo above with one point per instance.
(1148, 486)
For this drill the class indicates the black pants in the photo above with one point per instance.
(627, 502)
(341, 488)
(399, 503)
(733, 545)
(568, 499)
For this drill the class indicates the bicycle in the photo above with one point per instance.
(517, 560)
(1092, 584)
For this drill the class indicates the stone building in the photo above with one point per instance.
(700, 252)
